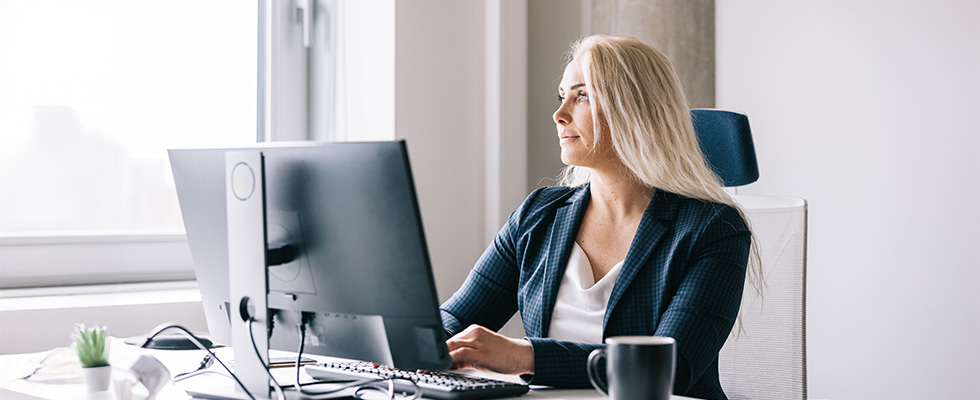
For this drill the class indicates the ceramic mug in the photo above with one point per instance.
(637, 367)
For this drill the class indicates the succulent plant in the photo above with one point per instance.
(91, 346)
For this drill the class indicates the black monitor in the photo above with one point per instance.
(344, 221)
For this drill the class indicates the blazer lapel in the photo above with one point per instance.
(662, 208)
(568, 218)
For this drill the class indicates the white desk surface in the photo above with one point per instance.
(64, 380)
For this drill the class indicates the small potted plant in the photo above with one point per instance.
(92, 347)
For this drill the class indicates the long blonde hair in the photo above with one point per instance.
(649, 121)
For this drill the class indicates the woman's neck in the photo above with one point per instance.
(618, 196)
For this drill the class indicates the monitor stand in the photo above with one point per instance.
(247, 268)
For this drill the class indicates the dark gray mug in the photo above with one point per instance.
(637, 367)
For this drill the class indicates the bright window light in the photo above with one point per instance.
(92, 93)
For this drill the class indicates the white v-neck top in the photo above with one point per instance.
(581, 303)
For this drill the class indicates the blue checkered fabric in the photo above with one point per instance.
(682, 277)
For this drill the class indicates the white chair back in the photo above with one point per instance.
(766, 359)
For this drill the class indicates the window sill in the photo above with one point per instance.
(39, 319)
(65, 260)
(98, 295)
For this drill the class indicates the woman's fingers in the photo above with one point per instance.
(464, 347)
(480, 348)
(464, 357)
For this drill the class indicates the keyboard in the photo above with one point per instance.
(433, 384)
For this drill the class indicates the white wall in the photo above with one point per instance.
(418, 73)
(439, 110)
(553, 26)
(871, 111)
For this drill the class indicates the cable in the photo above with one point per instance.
(205, 363)
(189, 375)
(251, 338)
(361, 385)
(390, 392)
(197, 342)
(334, 390)
(314, 395)
(299, 354)
(392, 395)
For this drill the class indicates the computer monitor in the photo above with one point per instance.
(359, 275)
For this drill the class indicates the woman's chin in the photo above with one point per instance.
(571, 159)
(566, 160)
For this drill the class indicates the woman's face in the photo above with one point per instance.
(574, 122)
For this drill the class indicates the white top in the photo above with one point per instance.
(581, 303)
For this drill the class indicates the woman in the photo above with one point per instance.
(639, 239)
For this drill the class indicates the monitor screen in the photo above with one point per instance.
(359, 277)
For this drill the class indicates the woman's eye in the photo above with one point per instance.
(582, 97)
(561, 99)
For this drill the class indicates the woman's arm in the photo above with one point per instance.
(488, 297)
(559, 363)
(705, 306)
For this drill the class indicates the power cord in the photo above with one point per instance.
(360, 385)
(321, 394)
(251, 338)
(197, 342)
(205, 364)
(279, 388)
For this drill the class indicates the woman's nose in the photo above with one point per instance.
(561, 116)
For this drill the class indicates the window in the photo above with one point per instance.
(91, 95)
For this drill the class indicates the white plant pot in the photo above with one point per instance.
(97, 378)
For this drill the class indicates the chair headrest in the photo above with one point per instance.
(726, 142)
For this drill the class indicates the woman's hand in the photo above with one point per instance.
(480, 348)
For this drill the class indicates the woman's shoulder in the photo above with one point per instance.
(548, 194)
(699, 211)
(544, 200)
(554, 196)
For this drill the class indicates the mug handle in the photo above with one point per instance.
(595, 375)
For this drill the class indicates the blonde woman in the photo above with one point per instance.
(639, 239)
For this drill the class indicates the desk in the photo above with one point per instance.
(66, 383)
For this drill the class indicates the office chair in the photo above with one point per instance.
(765, 355)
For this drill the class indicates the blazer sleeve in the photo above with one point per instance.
(559, 363)
(705, 306)
(488, 296)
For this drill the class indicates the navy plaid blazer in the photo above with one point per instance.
(682, 277)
